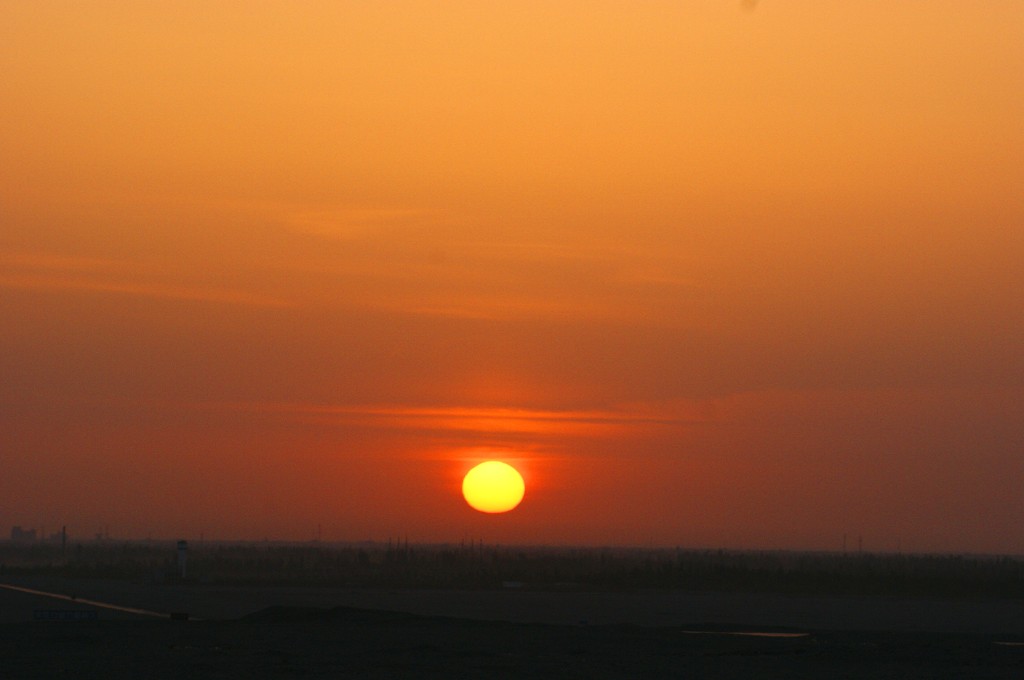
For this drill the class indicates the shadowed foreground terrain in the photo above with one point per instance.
(321, 612)
(345, 642)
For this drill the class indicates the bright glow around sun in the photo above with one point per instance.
(493, 487)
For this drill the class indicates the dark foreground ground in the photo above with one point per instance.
(343, 643)
(462, 635)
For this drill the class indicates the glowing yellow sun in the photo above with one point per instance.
(493, 487)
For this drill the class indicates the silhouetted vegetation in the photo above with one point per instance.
(540, 568)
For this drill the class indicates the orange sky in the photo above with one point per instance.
(709, 276)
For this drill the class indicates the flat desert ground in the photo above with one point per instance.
(252, 632)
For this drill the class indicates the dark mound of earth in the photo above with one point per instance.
(284, 614)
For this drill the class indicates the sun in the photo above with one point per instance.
(493, 487)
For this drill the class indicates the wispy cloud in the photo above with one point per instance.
(50, 271)
(354, 223)
(55, 262)
(428, 261)
(469, 419)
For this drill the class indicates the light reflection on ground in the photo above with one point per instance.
(745, 633)
(91, 603)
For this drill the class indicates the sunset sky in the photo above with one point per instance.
(709, 273)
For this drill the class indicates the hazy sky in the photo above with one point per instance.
(708, 275)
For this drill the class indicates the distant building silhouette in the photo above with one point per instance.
(182, 557)
(22, 535)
